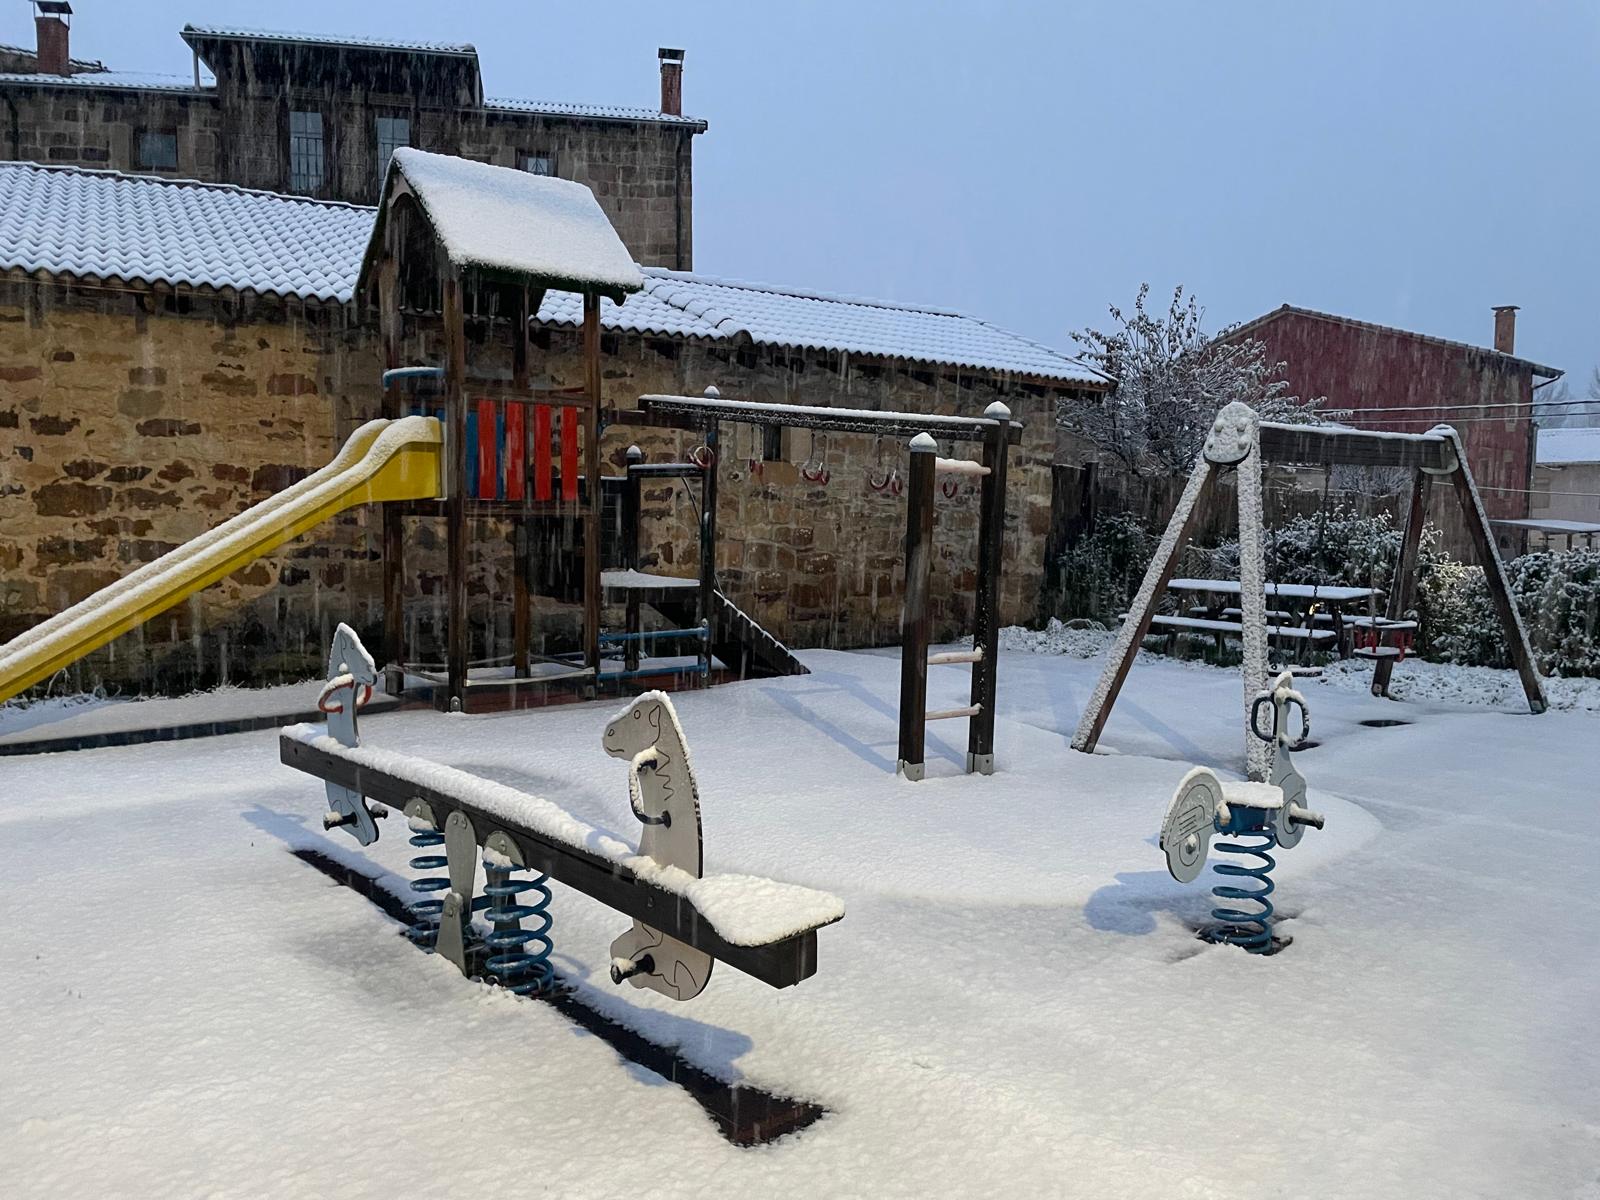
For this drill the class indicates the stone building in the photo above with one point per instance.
(319, 116)
(151, 386)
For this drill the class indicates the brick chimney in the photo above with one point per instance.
(671, 81)
(1505, 328)
(50, 26)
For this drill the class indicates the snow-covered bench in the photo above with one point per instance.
(1175, 625)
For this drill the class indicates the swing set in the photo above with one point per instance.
(1241, 442)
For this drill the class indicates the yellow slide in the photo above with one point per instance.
(383, 460)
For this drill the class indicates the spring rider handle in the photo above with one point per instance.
(1279, 698)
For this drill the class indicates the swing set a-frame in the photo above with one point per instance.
(1239, 440)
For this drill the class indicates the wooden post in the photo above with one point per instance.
(708, 526)
(521, 557)
(394, 649)
(1404, 582)
(1131, 636)
(457, 635)
(986, 596)
(591, 501)
(1494, 575)
(914, 617)
(631, 503)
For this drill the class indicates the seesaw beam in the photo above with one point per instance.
(778, 964)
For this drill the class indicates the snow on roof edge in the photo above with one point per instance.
(243, 33)
(138, 81)
(591, 112)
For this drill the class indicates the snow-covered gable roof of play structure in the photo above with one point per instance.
(550, 232)
(101, 226)
(1568, 447)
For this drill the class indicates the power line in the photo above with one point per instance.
(1452, 405)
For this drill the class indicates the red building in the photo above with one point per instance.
(1376, 377)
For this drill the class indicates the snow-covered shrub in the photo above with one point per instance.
(1101, 572)
(1558, 594)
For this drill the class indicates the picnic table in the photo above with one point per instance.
(1304, 612)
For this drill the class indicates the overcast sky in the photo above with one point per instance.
(1407, 163)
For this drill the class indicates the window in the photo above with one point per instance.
(539, 164)
(158, 151)
(393, 132)
(305, 152)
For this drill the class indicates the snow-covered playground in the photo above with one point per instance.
(1016, 1003)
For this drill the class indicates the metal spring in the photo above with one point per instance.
(1250, 931)
(424, 930)
(519, 958)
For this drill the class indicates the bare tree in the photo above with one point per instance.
(1171, 380)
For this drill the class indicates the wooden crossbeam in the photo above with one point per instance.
(778, 964)
(842, 420)
(1325, 445)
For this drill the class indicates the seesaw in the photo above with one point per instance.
(684, 921)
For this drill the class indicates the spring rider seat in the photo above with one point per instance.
(1269, 814)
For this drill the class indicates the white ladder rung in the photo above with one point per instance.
(955, 656)
(946, 714)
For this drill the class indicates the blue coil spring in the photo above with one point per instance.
(519, 958)
(1240, 927)
(424, 930)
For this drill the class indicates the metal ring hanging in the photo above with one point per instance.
(703, 456)
(950, 487)
(819, 472)
(755, 461)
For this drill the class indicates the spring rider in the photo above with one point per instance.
(1270, 814)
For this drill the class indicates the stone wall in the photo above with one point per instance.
(639, 171)
(823, 564)
(129, 424)
(124, 432)
(99, 127)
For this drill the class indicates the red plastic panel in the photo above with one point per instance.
(488, 451)
(541, 452)
(569, 453)
(516, 454)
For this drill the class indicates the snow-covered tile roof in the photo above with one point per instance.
(143, 81)
(685, 304)
(593, 112)
(245, 34)
(101, 225)
(503, 219)
(1564, 447)
(97, 225)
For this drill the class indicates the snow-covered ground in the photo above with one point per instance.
(82, 716)
(1015, 1003)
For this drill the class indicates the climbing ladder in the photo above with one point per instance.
(914, 625)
